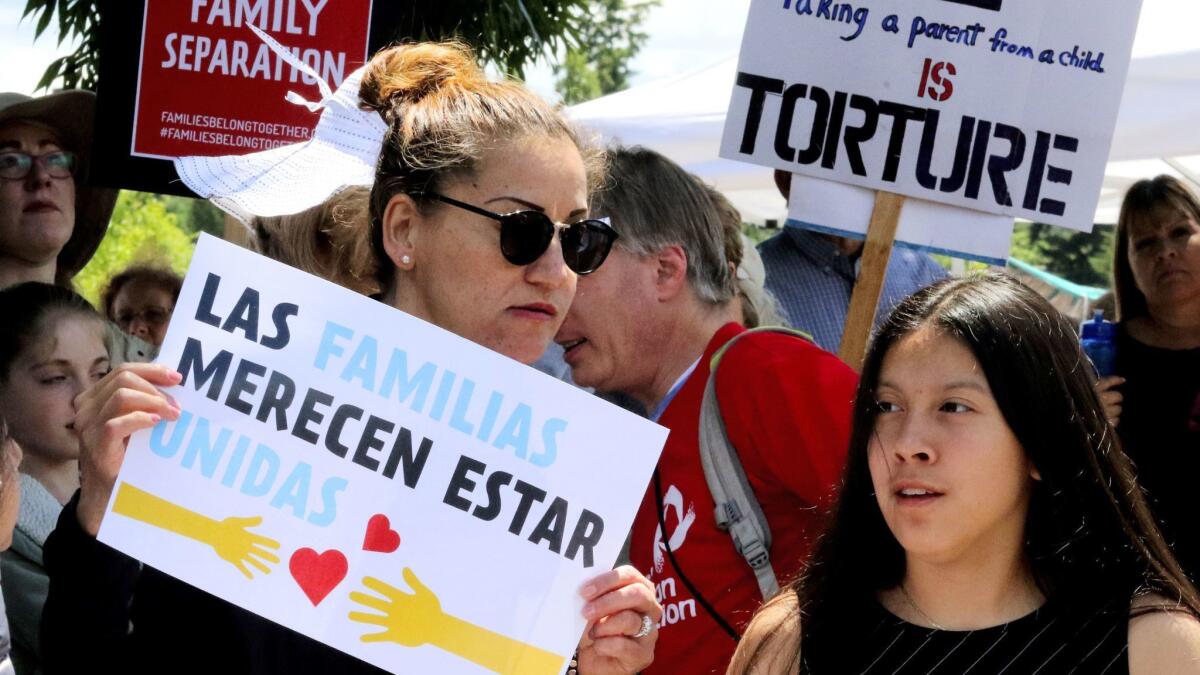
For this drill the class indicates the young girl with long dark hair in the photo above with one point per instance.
(989, 521)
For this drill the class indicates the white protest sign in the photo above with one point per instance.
(1002, 106)
(845, 210)
(373, 481)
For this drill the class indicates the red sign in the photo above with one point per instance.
(207, 85)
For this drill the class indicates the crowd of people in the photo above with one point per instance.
(975, 500)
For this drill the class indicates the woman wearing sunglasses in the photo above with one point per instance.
(480, 225)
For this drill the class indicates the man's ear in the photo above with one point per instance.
(401, 230)
(670, 273)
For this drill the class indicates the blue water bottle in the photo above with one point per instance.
(1099, 340)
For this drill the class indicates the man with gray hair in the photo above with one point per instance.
(649, 324)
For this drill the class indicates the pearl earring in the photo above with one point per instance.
(406, 260)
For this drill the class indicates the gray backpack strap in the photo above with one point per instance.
(738, 511)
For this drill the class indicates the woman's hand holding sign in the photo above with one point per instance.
(128, 400)
(125, 401)
(617, 602)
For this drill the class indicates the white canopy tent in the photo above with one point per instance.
(1158, 126)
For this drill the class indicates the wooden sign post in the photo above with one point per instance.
(860, 317)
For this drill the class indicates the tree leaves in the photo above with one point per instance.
(44, 20)
(1082, 257)
(76, 19)
(51, 73)
(143, 229)
(508, 33)
(597, 61)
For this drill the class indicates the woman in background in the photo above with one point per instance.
(1155, 395)
(140, 301)
(10, 498)
(51, 349)
(331, 240)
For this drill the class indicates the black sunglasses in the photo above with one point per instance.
(525, 236)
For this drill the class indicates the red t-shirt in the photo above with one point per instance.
(786, 405)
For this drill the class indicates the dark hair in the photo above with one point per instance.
(443, 114)
(24, 308)
(159, 276)
(1144, 201)
(1089, 534)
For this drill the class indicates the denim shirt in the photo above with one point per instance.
(813, 281)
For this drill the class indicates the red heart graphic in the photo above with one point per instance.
(317, 573)
(380, 535)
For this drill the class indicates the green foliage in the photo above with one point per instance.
(577, 81)
(509, 33)
(947, 262)
(757, 234)
(142, 230)
(76, 18)
(178, 207)
(1082, 257)
(598, 63)
(204, 217)
(196, 215)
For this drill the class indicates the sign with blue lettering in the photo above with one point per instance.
(1000, 107)
(373, 481)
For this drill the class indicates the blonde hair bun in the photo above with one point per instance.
(409, 72)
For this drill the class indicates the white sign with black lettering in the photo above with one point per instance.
(993, 105)
(373, 481)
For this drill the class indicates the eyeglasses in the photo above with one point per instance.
(525, 236)
(57, 164)
(152, 316)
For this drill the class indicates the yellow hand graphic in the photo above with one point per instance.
(238, 546)
(410, 619)
(230, 538)
(414, 619)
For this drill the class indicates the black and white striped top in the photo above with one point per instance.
(1050, 641)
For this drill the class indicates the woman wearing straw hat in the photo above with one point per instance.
(51, 221)
(474, 181)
